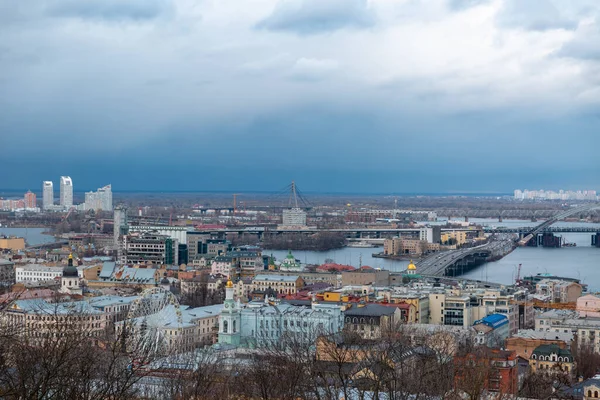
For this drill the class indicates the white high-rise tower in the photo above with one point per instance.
(66, 191)
(47, 194)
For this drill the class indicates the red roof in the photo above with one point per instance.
(335, 267)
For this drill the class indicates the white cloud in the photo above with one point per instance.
(310, 69)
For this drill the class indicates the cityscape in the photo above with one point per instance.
(300, 200)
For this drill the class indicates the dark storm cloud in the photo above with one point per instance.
(110, 9)
(101, 90)
(307, 17)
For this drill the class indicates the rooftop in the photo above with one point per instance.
(276, 278)
(370, 310)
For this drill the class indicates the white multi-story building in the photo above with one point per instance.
(264, 324)
(38, 272)
(294, 217)
(99, 200)
(47, 195)
(66, 192)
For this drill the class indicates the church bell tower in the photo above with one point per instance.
(230, 319)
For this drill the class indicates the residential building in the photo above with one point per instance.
(40, 272)
(222, 265)
(587, 306)
(492, 330)
(457, 238)
(526, 341)
(551, 358)
(66, 192)
(430, 234)
(497, 368)
(115, 307)
(38, 318)
(120, 226)
(559, 291)
(113, 275)
(7, 273)
(280, 284)
(370, 321)
(591, 388)
(366, 276)
(149, 248)
(47, 195)
(12, 243)
(247, 262)
(99, 200)
(585, 330)
(192, 328)
(294, 217)
(30, 200)
(414, 247)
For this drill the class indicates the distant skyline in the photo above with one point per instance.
(343, 96)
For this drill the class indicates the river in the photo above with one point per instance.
(581, 262)
(33, 236)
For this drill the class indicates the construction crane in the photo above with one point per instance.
(518, 280)
(235, 195)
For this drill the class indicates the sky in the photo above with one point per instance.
(360, 96)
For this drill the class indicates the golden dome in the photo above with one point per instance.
(70, 256)
(229, 283)
(411, 266)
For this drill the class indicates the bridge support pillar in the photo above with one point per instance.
(549, 240)
(596, 240)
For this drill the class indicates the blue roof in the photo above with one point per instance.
(493, 320)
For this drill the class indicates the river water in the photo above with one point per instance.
(581, 262)
(33, 236)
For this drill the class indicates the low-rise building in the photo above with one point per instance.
(551, 358)
(588, 306)
(492, 330)
(281, 284)
(264, 324)
(526, 341)
(370, 321)
(559, 291)
(40, 272)
(366, 276)
(12, 243)
(112, 274)
(7, 273)
(39, 319)
(498, 368)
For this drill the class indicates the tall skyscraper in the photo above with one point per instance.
(66, 191)
(47, 194)
(119, 225)
(30, 199)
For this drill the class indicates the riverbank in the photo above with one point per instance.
(397, 258)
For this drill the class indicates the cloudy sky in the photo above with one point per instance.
(340, 95)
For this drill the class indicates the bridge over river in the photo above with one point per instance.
(456, 262)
